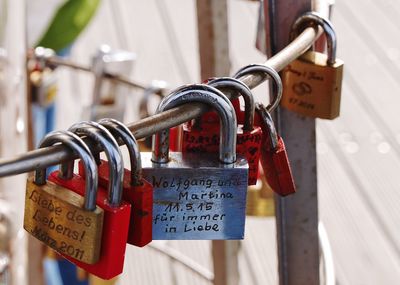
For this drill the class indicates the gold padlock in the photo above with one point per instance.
(61, 219)
(260, 198)
(313, 82)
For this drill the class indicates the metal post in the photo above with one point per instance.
(212, 22)
(297, 215)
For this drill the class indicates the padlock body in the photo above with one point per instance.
(206, 139)
(196, 197)
(175, 134)
(277, 169)
(115, 230)
(260, 199)
(311, 87)
(43, 86)
(139, 197)
(55, 215)
(211, 117)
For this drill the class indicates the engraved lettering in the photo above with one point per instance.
(60, 224)
(193, 205)
(37, 198)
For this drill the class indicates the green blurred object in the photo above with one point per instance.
(68, 22)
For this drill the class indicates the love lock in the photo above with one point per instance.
(198, 195)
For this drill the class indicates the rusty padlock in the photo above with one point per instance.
(116, 211)
(69, 223)
(137, 191)
(313, 82)
(203, 136)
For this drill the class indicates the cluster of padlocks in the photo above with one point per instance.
(197, 191)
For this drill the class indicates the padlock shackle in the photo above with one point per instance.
(119, 130)
(311, 19)
(229, 83)
(214, 98)
(98, 70)
(267, 71)
(77, 145)
(156, 88)
(41, 55)
(266, 118)
(102, 136)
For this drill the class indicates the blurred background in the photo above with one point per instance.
(358, 153)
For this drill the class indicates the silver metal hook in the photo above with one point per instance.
(267, 119)
(102, 136)
(42, 54)
(315, 19)
(233, 84)
(214, 98)
(119, 130)
(260, 68)
(157, 87)
(77, 145)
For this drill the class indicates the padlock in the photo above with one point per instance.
(313, 82)
(109, 97)
(43, 84)
(204, 136)
(157, 89)
(137, 191)
(67, 222)
(42, 79)
(260, 198)
(263, 71)
(274, 159)
(197, 195)
(116, 211)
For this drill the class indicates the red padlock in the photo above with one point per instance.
(211, 117)
(274, 159)
(137, 191)
(116, 212)
(204, 136)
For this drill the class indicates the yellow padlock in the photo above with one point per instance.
(63, 220)
(313, 82)
(260, 198)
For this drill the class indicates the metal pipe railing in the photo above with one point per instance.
(59, 61)
(53, 155)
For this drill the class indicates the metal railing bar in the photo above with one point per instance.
(53, 155)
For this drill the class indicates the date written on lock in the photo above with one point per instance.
(65, 227)
(198, 202)
(198, 195)
(313, 90)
